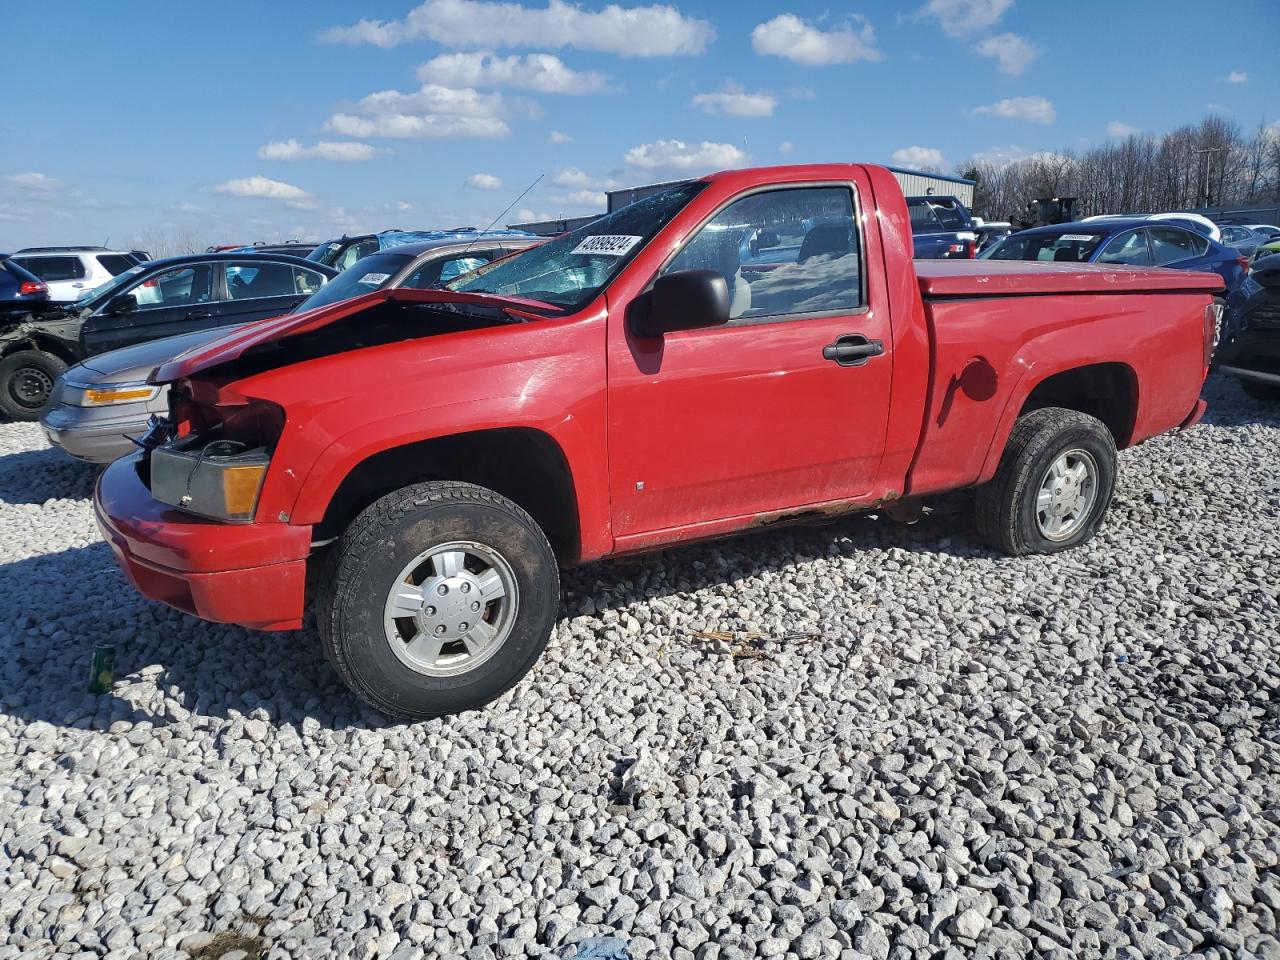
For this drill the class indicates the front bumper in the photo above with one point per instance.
(250, 574)
(96, 434)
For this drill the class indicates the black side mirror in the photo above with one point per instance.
(124, 303)
(688, 300)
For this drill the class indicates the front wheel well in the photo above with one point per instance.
(43, 344)
(524, 465)
(1106, 391)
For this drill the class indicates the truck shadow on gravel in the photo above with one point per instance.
(1230, 406)
(171, 667)
(37, 476)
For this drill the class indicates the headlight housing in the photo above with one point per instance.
(108, 394)
(219, 479)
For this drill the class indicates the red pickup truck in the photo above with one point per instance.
(750, 348)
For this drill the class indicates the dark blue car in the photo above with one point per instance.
(1135, 242)
(942, 228)
(19, 287)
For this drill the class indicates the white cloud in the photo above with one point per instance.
(265, 189)
(961, 18)
(543, 72)
(1034, 109)
(432, 98)
(34, 182)
(651, 31)
(527, 215)
(786, 35)
(576, 179)
(1007, 155)
(678, 155)
(1237, 76)
(14, 216)
(342, 151)
(736, 102)
(401, 125)
(919, 157)
(594, 199)
(432, 111)
(484, 181)
(1011, 52)
(785, 147)
(1119, 131)
(556, 136)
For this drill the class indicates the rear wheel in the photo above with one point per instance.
(438, 599)
(1053, 486)
(27, 378)
(1261, 391)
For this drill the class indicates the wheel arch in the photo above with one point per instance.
(1107, 390)
(36, 341)
(524, 464)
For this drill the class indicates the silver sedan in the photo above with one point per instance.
(102, 402)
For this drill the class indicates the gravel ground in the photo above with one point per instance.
(929, 752)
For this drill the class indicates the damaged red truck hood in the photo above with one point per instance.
(1009, 278)
(238, 341)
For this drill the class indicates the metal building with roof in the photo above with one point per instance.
(919, 183)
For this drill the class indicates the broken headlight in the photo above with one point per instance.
(219, 479)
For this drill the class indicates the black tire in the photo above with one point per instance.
(364, 566)
(1006, 506)
(27, 379)
(1267, 392)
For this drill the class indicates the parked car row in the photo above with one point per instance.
(105, 400)
(1173, 242)
(71, 272)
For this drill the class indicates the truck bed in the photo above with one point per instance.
(996, 327)
(946, 279)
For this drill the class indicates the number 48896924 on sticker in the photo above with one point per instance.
(747, 348)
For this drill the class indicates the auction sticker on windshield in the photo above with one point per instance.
(374, 278)
(607, 244)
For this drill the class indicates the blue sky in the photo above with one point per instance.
(237, 122)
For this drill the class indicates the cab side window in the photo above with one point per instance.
(782, 253)
(1129, 248)
(249, 281)
(357, 251)
(1170, 245)
(53, 269)
(436, 273)
(177, 287)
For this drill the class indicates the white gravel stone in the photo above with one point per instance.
(930, 750)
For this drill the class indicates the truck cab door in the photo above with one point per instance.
(783, 407)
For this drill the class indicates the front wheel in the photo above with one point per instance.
(1053, 486)
(27, 379)
(438, 598)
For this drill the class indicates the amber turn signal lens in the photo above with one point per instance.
(240, 486)
(94, 396)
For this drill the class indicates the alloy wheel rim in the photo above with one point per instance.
(451, 608)
(1067, 493)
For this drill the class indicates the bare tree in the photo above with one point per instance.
(1209, 160)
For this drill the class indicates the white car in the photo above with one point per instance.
(1198, 223)
(71, 272)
